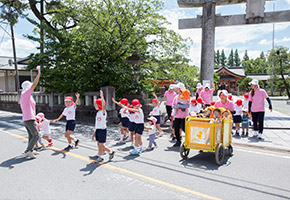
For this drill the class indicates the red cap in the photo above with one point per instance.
(239, 102)
(124, 101)
(230, 97)
(246, 96)
(99, 103)
(212, 103)
(199, 100)
(135, 102)
(193, 101)
(154, 101)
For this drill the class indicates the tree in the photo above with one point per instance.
(217, 57)
(243, 84)
(237, 60)
(223, 59)
(11, 11)
(262, 56)
(231, 59)
(95, 52)
(255, 66)
(246, 57)
(278, 83)
(280, 57)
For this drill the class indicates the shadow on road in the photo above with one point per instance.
(55, 153)
(204, 160)
(14, 161)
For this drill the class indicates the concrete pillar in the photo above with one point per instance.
(50, 100)
(88, 100)
(109, 93)
(208, 41)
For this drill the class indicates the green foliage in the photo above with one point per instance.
(254, 66)
(217, 57)
(12, 10)
(280, 60)
(95, 52)
(246, 57)
(237, 59)
(243, 84)
(262, 56)
(223, 59)
(231, 59)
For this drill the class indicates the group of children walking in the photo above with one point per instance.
(132, 121)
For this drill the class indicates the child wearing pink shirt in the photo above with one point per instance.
(206, 94)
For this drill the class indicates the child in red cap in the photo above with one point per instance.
(194, 108)
(70, 112)
(139, 126)
(124, 120)
(100, 133)
(238, 115)
(156, 113)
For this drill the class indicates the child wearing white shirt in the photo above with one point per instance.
(70, 112)
(151, 132)
(100, 133)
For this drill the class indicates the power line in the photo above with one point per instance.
(5, 30)
(3, 36)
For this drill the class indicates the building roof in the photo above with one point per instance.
(264, 77)
(239, 71)
(7, 63)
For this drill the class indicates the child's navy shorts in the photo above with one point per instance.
(125, 122)
(70, 125)
(139, 129)
(101, 135)
(158, 119)
(132, 126)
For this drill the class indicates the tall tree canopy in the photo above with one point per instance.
(88, 43)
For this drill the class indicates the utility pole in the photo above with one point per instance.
(273, 43)
(15, 60)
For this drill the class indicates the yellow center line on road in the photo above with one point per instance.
(86, 159)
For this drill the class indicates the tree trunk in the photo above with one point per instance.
(15, 60)
(284, 80)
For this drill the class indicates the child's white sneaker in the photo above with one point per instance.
(260, 136)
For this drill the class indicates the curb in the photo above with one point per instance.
(276, 149)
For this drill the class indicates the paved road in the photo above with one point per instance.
(158, 174)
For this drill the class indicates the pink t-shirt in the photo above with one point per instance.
(258, 100)
(169, 97)
(206, 96)
(228, 105)
(199, 91)
(179, 111)
(27, 105)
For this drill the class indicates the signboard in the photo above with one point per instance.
(204, 82)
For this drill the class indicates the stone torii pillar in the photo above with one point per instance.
(209, 20)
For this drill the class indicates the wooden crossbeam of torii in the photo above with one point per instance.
(209, 20)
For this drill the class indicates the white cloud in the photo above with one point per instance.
(288, 1)
(254, 53)
(265, 42)
(23, 47)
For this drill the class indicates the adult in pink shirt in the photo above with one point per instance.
(179, 121)
(224, 102)
(199, 90)
(257, 98)
(27, 105)
(206, 94)
(169, 95)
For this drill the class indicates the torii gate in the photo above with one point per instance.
(209, 20)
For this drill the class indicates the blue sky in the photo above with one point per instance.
(254, 38)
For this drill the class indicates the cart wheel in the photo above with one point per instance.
(220, 154)
(183, 151)
(231, 150)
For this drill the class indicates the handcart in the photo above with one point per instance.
(209, 135)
